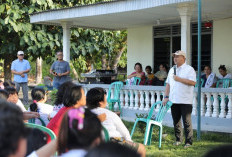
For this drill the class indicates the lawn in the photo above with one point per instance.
(209, 140)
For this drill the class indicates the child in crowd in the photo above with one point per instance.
(96, 101)
(14, 98)
(4, 95)
(72, 98)
(59, 97)
(39, 98)
(150, 76)
(35, 140)
(80, 131)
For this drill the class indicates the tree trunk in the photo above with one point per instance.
(74, 71)
(38, 78)
(104, 62)
(117, 58)
(7, 66)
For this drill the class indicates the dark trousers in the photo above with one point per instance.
(184, 111)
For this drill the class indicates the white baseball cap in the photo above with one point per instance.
(178, 53)
(20, 53)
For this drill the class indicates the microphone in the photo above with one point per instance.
(174, 69)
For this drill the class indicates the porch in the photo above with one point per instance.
(213, 117)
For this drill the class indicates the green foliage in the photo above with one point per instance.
(52, 95)
(208, 142)
(20, 34)
(87, 46)
(45, 68)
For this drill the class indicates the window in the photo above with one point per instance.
(167, 40)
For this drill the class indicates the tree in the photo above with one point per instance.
(87, 46)
(18, 34)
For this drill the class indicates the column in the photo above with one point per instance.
(185, 10)
(66, 40)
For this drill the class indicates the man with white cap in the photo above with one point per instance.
(179, 90)
(20, 67)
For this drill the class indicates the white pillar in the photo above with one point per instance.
(66, 41)
(185, 10)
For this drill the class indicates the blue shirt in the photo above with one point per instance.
(18, 66)
(60, 67)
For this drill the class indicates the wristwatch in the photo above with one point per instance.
(166, 96)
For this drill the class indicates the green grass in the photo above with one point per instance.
(208, 141)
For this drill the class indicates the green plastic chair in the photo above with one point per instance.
(137, 81)
(106, 133)
(117, 86)
(226, 83)
(150, 123)
(33, 121)
(202, 82)
(42, 128)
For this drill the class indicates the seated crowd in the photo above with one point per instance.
(158, 79)
(77, 123)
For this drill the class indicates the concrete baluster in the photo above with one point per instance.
(158, 99)
(229, 114)
(141, 100)
(215, 105)
(208, 105)
(223, 106)
(122, 99)
(202, 104)
(131, 99)
(147, 100)
(194, 112)
(136, 100)
(126, 99)
(152, 97)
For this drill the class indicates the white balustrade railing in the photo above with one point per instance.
(215, 102)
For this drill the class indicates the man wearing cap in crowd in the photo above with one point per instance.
(179, 90)
(20, 67)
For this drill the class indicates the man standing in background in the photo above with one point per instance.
(179, 90)
(20, 67)
(60, 69)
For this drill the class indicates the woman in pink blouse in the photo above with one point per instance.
(138, 73)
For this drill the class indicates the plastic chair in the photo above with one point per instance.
(150, 123)
(42, 128)
(106, 133)
(226, 83)
(33, 121)
(137, 81)
(202, 82)
(117, 86)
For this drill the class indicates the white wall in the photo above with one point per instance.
(140, 47)
(222, 44)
